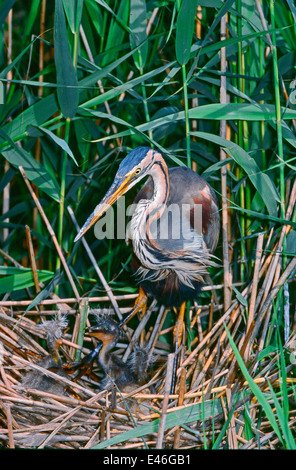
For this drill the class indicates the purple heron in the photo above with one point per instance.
(174, 230)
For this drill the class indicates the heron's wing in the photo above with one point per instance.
(192, 215)
(174, 233)
(193, 190)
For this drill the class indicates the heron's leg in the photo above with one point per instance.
(139, 306)
(178, 334)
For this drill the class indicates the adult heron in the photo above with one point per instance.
(174, 230)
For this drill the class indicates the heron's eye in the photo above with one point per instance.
(138, 170)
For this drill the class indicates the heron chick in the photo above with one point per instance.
(39, 380)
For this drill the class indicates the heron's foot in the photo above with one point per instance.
(140, 306)
(178, 335)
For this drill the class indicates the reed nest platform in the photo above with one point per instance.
(233, 387)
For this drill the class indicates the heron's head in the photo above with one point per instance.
(105, 329)
(132, 169)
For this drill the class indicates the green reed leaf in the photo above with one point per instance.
(184, 30)
(22, 280)
(68, 93)
(138, 36)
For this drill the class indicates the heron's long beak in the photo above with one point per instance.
(119, 187)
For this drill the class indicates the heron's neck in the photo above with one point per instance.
(160, 176)
(105, 357)
(149, 210)
(152, 209)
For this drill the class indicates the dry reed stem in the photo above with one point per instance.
(41, 48)
(168, 382)
(223, 156)
(157, 328)
(67, 300)
(71, 300)
(286, 274)
(68, 415)
(48, 420)
(32, 258)
(264, 24)
(97, 269)
(7, 412)
(180, 403)
(137, 334)
(232, 428)
(255, 279)
(211, 333)
(51, 232)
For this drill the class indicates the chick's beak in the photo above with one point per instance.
(104, 336)
(119, 187)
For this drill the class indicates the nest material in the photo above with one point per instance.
(212, 387)
(209, 384)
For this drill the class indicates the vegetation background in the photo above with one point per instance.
(209, 83)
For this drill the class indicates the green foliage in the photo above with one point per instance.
(65, 72)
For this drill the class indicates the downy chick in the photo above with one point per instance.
(38, 380)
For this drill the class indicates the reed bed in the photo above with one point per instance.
(212, 388)
(211, 85)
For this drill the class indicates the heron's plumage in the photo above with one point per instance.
(170, 262)
(169, 266)
(135, 158)
(182, 259)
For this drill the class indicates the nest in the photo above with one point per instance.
(233, 388)
(222, 369)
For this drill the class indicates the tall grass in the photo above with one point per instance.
(84, 82)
